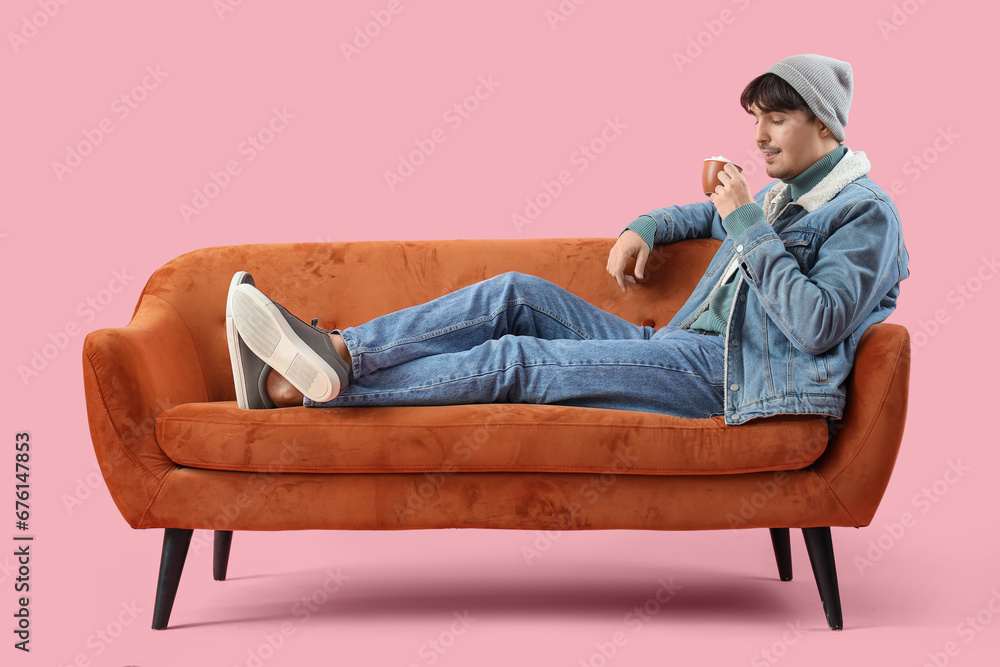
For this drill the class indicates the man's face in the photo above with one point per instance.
(790, 141)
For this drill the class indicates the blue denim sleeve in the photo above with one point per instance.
(676, 223)
(854, 269)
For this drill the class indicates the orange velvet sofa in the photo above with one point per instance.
(178, 454)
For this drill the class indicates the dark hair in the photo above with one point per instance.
(772, 93)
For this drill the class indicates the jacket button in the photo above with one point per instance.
(649, 323)
(739, 248)
(734, 342)
(734, 387)
(736, 416)
(743, 297)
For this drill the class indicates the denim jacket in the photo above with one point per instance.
(813, 277)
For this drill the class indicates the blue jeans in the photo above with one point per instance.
(521, 339)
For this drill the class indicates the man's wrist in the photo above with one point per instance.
(644, 226)
(742, 219)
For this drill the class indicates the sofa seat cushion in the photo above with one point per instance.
(480, 438)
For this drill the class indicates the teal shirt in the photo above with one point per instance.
(737, 222)
(811, 177)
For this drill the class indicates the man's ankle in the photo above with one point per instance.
(282, 392)
(341, 347)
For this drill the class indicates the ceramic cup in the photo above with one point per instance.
(710, 173)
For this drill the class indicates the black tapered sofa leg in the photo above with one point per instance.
(782, 543)
(220, 557)
(175, 547)
(820, 547)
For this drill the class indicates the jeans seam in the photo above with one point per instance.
(464, 378)
(470, 323)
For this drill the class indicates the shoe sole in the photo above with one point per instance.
(266, 332)
(233, 338)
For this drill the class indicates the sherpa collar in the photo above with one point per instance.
(850, 168)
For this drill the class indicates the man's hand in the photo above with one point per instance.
(733, 193)
(629, 245)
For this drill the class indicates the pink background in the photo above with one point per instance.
(924, 86)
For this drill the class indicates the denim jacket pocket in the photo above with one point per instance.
(803, 246)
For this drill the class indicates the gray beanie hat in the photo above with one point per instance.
(826, 84)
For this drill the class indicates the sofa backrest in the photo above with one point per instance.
(344, 284)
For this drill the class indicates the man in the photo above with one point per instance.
(772, 327)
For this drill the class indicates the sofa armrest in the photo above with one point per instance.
(131, 374)
(859, 460)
